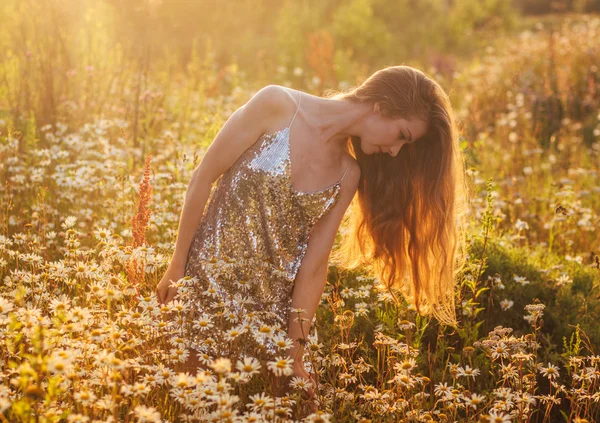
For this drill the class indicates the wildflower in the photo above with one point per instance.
(178, 354)
(551, 372)
(260, 401)
(405, 379)
(347, 292)
(85, 397)
(109, 359)
(525, 398)
(283, 412)
(467, 307)
(231, 317)
(363, 292)
(575, 361)
(468, 371)
(495, 417)
(504, 393)
(405, 324)
(505, 304)
(496, 281)
(103, 234)
(344, 346)
(221, 365)
(360, 366)
(453, 368)
(546, 399)
(499, 350)
(346, 377)
(204, 322)
(371, 393)
(522, 356)
(281, 366)
(563, 280)
(577, 259)
(382, 339)
(299, 382)
(508, 371)
(362, 309)
(60, 361)
(536, 311)
(253, 417)
(5, 306)
(242, 284)
(474, 400)
(210, 292)
(69, 222)
(318, 417)
(521, 279)
(406, 365)
(442, 389)
(31, 258)
(468, 350)
(586, 374)
(264, 331)
(147, 414)
(520, 225)
(77, 418)
(535, 308)
(232, 334)
(283, 342)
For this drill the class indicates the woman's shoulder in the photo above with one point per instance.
(277, 101)
(279, 95)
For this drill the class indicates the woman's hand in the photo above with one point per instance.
(164, 292)
(300, 371)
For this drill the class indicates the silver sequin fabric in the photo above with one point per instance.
(247, 251)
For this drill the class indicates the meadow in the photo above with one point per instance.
(89, 208)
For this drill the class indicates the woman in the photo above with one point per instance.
(287, 166)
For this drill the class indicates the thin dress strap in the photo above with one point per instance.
(298, 108)
(290, 125)
(347, 167)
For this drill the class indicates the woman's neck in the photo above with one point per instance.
(335, 120)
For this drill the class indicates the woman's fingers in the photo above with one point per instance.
(169, 295)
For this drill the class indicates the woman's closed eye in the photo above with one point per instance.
(402, 137)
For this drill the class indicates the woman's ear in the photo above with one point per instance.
(378, 109)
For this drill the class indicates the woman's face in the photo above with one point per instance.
(387, 135)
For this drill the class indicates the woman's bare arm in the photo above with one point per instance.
(312, 275)
(239, 132)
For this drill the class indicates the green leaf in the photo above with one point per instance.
(480, 291)
(564, 415)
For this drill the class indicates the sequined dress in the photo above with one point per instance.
(247, 251)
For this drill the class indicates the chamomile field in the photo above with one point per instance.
(103, 119)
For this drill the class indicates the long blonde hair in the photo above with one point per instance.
(405, 223)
